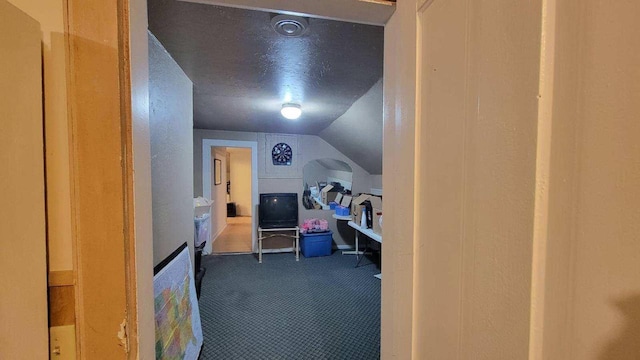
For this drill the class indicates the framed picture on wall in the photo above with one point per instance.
(217, 172)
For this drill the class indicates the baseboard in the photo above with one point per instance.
(290, 249)
(215, 237)
(275, 251)
(231, 253)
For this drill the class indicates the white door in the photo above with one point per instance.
(23, 271)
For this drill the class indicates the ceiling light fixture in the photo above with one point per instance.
(291, 111)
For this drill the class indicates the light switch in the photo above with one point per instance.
(62, 342)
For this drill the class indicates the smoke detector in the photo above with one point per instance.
(289, 25)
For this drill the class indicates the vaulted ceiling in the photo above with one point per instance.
(243, 71)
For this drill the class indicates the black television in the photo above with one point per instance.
(278, 210)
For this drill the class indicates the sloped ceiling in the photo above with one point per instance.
(358, 132)
(243, 71)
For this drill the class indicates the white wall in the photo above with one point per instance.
(141, 143)
(526, 162)
(316, 172)
(343, 177)
(309, 148)
(313, 172)
(218, 195)
(376, 181)
(171, 124)
(476, 178)
(240, 177)
(398, 177)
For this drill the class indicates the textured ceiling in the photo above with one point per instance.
(358, 133)
(243, 71)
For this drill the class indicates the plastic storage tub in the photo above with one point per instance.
(342, 210)
(316, 244)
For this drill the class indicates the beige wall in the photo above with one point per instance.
(310, 148)
(171, 129)
(50, 15)
(218, 195)
(592, 257)
(23, 262)
(240, 177)
(526, 180)
(476, 156)
(340, 176)
(398, 179)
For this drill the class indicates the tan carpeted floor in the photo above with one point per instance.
(236, 237)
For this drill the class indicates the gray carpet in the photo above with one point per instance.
(317, 308)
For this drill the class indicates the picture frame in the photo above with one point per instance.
(217, 172)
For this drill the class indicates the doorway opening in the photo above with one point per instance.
(235, 175)
(230, 180)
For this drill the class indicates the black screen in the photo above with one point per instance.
(278, 210)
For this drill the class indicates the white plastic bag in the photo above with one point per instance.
(201, 233)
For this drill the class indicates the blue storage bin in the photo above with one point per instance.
(332, 205)
(342, 211)
(316, 244)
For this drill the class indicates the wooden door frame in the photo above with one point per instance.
(107, 258)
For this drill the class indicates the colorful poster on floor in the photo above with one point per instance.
(177, 316)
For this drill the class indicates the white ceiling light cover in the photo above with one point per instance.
(291, 111)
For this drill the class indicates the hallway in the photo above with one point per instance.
(236, 237)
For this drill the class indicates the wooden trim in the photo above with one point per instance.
(102, 180)
(62, 306)
(124, 50)
(370, 12)
(62, 278)
(423, 5)
(381, 2)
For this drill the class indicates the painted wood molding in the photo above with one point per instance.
(371, 12)
(381, 2)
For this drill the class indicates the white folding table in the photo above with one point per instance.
(368, 232)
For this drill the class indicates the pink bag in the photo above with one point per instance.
(314, 225)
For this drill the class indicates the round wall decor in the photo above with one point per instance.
(281, 154)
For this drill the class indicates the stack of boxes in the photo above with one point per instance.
(328, 194)
(358, 204)
(344, 205)
(336, 202)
